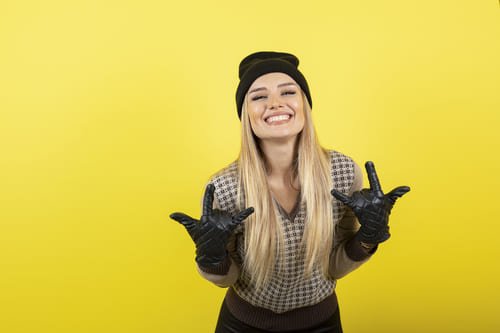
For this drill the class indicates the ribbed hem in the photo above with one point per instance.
(221, 269)
(268, 320)
(356, 252)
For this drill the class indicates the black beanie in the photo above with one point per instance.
(260, 63)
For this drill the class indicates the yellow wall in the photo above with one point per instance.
(113, 114)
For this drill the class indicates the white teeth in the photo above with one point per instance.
(277, 118)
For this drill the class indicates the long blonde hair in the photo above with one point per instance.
(264, 245)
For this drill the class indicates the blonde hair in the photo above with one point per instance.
(264, 245)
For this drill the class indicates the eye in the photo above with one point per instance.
(256, 98)
(289, 92)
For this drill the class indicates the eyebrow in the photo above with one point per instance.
(279, 86)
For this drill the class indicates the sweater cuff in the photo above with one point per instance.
(221, 269)
(356, 252)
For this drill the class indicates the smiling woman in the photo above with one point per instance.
(282, 223)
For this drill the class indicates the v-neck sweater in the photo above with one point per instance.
(289, 301)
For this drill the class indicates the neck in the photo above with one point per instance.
(279, 156)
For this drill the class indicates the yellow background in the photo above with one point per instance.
(113, 114)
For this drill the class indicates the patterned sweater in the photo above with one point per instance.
(289, 301)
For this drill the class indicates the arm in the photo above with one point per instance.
(372, 208)
(348, 253)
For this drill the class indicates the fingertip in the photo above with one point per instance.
(336, 194)
(370, 167)
(247, 212)
(404, 189)
(208, 199)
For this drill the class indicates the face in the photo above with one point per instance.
(275, 107)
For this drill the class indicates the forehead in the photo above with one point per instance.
(271, 80)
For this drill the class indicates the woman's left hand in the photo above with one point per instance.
(372, 207)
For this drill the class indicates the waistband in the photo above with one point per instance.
(266, 319)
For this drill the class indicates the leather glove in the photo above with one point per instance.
(372, 207)
(211, 233)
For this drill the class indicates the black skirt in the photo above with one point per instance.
(227, 323)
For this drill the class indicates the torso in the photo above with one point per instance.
(289, 291)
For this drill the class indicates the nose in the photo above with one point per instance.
(275, 101)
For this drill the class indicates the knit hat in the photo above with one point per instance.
(260, 63)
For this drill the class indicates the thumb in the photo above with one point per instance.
(397, 193)
(188, 222)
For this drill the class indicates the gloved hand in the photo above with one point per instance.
(372, 207)
(211, 233)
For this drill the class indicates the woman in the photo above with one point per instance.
(281, 257)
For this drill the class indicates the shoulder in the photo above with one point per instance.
(340, 163)
(344, 170)
(226, 186)
(226, 175)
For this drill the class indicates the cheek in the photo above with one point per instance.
(299, 109)
(297, 104)
(253, 121)
(254, 113)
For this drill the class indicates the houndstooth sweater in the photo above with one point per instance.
(289, 300)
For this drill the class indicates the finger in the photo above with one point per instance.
(208, 199)
(183, 219)
(238, 218)
(342, 197)
(397, 193)
(372, 176)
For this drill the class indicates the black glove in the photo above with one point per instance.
(372, 207)
(211, 233)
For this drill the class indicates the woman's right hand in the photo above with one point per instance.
(211, 233)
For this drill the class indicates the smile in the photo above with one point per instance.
(280, 118)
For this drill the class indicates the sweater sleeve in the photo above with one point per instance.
(348, 254)
(226, 273)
